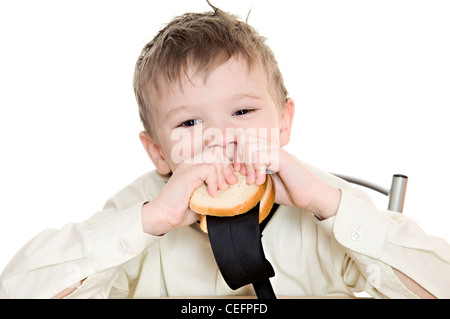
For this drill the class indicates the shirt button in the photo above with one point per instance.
(355, 235)
(122, 248)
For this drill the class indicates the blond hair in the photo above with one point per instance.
(201, 41)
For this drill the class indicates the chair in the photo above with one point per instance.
(396, 193)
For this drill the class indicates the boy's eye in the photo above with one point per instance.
(190, 123)
(242, 112)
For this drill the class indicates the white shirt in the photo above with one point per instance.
(351, 252)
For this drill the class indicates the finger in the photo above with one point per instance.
(243, 169)
(270, 156)
(236, 162)
(260, 176)
(211, 180)
(250, 174)
(229, 174)
(221, 182)
(240, 149)
(191, 217)
(260, 170)
(247, 146)
(230, 152)
(243, 157)
(212, 189)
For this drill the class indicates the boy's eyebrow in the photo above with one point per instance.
(175, 110)
(240, 96)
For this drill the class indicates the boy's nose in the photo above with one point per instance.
(218, 135)
(222, 140)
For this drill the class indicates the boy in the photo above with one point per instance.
(211, 75)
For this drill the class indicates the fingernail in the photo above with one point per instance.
(224, 186)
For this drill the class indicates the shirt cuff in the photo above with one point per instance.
(118, 237)
(357, 225)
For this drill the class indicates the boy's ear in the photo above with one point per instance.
(287, 116)
(155, 154)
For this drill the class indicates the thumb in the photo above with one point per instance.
(190, 217)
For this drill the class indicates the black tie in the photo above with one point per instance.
(237, 248)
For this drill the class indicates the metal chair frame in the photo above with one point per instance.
(396, 193)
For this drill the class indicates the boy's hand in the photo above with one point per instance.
(297, 186)
(294, 184)
(170, 209)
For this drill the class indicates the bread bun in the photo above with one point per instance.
(236, 200)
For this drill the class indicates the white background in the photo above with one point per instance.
(370, 79)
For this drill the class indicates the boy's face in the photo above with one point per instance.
(203, 115)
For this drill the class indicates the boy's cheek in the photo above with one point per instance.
(181, 146)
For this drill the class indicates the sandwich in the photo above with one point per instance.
(237, 199)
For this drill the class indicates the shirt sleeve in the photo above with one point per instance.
(378, 241)
(91, 251)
